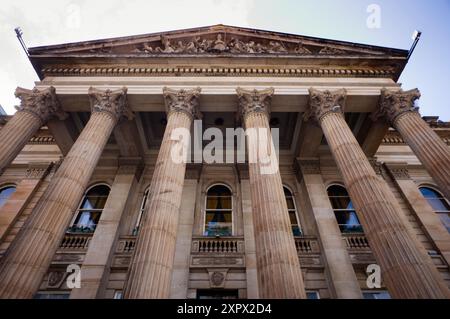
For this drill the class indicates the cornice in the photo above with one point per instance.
(164, 70)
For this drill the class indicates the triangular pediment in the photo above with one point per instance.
(215, 40)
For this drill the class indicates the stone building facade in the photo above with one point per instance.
(88, 187)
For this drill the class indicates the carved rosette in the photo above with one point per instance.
(42, 103)
(254, 101)
(111, 102)
(186, 101)
(322, 103)
(392, 104)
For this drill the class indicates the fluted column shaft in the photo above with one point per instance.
(15, 135)
(407, 272)
(27, 260)
(31, 253)
(151, 272)
(427, 146)
(152, 264)
(279, 273)
(398, 108)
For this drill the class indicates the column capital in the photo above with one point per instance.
(392, 104)
(323, 102)
(254, 101)
(183, 100)
(111, 102)
(42, 103)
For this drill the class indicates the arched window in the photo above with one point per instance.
(218, 211)
(296, 229)
(343, 210)
(91, 208)
(141, 212)
(439, 204)
(5, 193)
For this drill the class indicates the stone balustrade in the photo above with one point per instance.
(126, 244)
(73, 241)
(224, 245)
(306, 244)
(356, 241)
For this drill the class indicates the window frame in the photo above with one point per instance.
(297, 217)
(440, 197)
(6, 186)
(79, 210)
(225, 210)
(144, 202)
(343, 209)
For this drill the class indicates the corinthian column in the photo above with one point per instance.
(406, 270)
(398, 108)
(152, 265)
(279, 273)
(36, 108)
(27, 260)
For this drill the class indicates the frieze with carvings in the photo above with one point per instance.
(220, 44)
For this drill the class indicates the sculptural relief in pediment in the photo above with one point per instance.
(233, 44)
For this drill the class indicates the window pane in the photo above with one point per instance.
(445, 218)
(86, 221)
(94, 202)
(293, 217)
(428, 192)
(438, 204)
(341, 202)
(215, 202)
(290, 203)
(96, 197)
(5, 193)
(312, 295)
(348, 222)
(376, 295)
(219, 190)
(296, 230)
(218, 224)
(337, 190)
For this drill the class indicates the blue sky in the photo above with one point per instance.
(48, 22)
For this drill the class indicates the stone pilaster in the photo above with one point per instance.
(419, 205)
(12, 209)
(25, 264)
(97, 262)
(339, 266)
(36, 108)
(279, 273)
(182, 259)
(152, 264)
(398, 108)
(406, 270)
(251, 268)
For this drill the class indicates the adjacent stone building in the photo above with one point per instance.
(89, 189)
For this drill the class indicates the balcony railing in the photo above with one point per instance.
(356, 241)
(75, 241)
(126, 244)
(228, 245)
(306, 244)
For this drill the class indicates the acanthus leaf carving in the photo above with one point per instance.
(254, 101)
(111, 102)
(42, 103)
(324, 102)
(186, 101)
(392, 104)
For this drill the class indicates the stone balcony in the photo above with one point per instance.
(212, 251)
